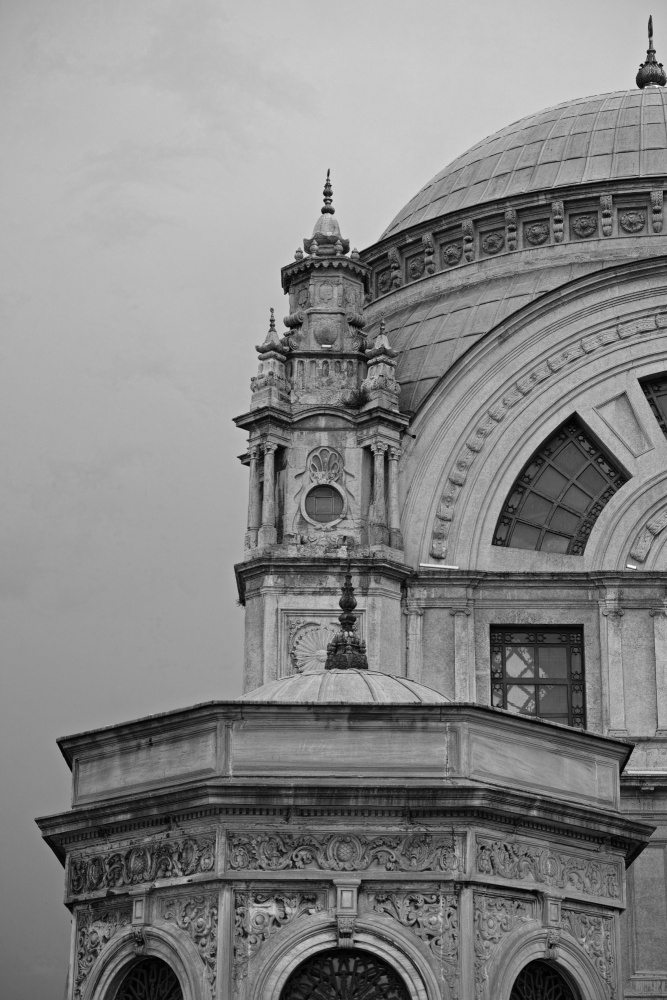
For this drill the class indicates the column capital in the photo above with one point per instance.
(612, 612)
(254, 450)
(661, 609)
(413, 609)
(269, 447)
(379, 447)
(460, 611)
(394, 453)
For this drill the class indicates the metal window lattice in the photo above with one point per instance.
(559, 495)
(539, 981)
(344, 974)
(150, 979)
(539, 672)
(655, 390)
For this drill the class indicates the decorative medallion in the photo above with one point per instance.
(493, 242)
(326, 333)
(309, 650)
(584, 226)
(384, 281)
(302, 297)
(536, 233)
(151, 979)
(452, 253)
(416, 267)
(632, 222)
(345, 974)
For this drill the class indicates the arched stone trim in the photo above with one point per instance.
(390, 943)
(172, 946)
(526, 945)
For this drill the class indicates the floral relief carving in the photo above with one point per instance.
(140, 864)
(95, 926)
(433, 916)
(384, 281)
(519, 860)
(632, 222)
(198, 917)
(499, 409)
(493, 242)
(593, 933)
(416, 267)
(495, 916)
(536, 233)
(308, 651)
(451, 254)
(344, 852)
(258, 915)
(324, 465)
(584, 226)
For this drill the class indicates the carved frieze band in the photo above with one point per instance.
(495, 916)
(594, 934)
(258, 915)
(519, 861)
(142, 863)
(418, 852)
(497, 412)
(198, 917)
(95, 927)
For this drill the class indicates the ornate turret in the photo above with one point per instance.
(651, 73)
(347, 651)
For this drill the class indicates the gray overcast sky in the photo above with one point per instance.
(160, 160)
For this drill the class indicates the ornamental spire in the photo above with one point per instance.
(327, 208)
(347, 651)
(651, 73)
(326, 240)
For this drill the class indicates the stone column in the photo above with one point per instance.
(267, 533)
(254, 507)
(413, 640)
(463, 684)
(395, 536)
(659, 616)
(612, 667)
(379, 532)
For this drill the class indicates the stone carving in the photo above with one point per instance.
(468, 240)
(429, 254)
(433, 916)
(395, 265)
(309, 649)
(520, 860)
(498, 410)
(584, 226)
(536, 233)
(95, 926)
(346, 927)
(495, 916)
(644, 540)
(451, 254)
(198, 917)
(416, 267)
(418, 852)
(324, 465)
(510, 223)
(594, 934)
(258, 915)
(558, 216)
(656, 211)
(384, 281)
(632, 222)
(143, 863)
(605, 208)
(493, 242)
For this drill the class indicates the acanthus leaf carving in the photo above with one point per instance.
(518, 860)
(258, 915)
(95, 926)
(495, 916)
(198, 917)
(140, 864)
(594, 934)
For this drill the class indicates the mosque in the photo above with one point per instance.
(453, 786)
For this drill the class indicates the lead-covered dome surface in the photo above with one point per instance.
(591, 139)
(345, 687)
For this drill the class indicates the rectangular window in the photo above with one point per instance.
(539, 671)
(655, 390)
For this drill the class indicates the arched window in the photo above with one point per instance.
(655, 390)
(559, 495)
(539, 981)
(344, 974)
(150, 979)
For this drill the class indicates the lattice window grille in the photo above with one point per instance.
(150, 979)
(344, 974)
(539, 981)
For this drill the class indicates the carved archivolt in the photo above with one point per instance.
(644, 540)
(142, 863)
(543, 372)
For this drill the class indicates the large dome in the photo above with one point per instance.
(609, 137)
(345, 687)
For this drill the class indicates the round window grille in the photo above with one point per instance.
(324, 504)
(344, 974)
(539, 981)
(150, 979)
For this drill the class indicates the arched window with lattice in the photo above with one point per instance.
(541, 981)
(559, 494)
(345, 972)
(150, 979)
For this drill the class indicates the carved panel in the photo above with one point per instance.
(583, 226)
(418, 852)
(95, 926)
(632, 221)
(258, 915)
(198, 917)
(536, 233)
(142, 863)
(594, 934)
(451, 254)
(493, 242)
(383, 281)
(434, 917)
(519, 860)
(416, 267)
(305, 635)
(495, 916)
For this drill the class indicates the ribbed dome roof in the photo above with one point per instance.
(345, 687)
(608, 137)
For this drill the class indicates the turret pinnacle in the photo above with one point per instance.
(326, 240)
(651, 73)
(347, 651)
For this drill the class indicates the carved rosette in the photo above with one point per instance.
(417, 852)
(198, 917)
(308, 649)
(518, 861)
(143, 863)
(451, 254)
(258, 915)
(95, 927)
(495, 916)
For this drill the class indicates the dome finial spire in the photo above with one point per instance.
(327, 207)
(651, 73)
(346, 650)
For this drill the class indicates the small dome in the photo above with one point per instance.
(340, 687)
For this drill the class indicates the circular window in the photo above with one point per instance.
(324, 504)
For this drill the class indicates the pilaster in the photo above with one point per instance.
(659, 615)
(612, 663)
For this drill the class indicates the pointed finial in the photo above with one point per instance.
(651, 73)
(272, 321)
(382, 325)
(346, 650)
(327, 208)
